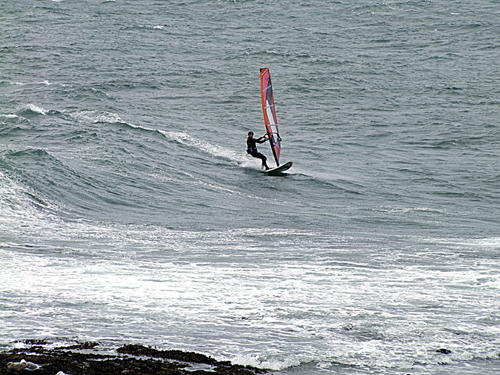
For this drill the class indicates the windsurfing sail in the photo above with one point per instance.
(270, 113)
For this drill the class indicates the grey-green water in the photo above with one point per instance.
(130, 212)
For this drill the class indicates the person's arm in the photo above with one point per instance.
(262, 139)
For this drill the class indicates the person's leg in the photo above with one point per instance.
(262, 157)
(264, 161)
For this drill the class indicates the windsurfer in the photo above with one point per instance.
(252, 148)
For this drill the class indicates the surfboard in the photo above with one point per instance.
(280, 169)
(271, 121)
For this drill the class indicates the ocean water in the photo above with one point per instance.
(131, 213)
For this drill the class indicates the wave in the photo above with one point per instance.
(11, 83)
(215, 150)
(184, 139)
(97, 117)
(101, 166)
(33, 110)
(22, 208)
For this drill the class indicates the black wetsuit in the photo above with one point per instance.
(252, 149)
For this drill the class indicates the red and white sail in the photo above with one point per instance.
(270, 113)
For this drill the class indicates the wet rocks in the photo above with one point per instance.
(131, 359)
(443, 351)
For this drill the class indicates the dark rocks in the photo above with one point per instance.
(85, 345)
(168, 354)
(131, 360)
(443, 351)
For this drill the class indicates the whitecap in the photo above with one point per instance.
(37, 109)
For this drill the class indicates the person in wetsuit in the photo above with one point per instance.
(252, 148)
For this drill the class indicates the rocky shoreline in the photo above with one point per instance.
(89, 359)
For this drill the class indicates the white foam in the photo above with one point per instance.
(37, 109)
(11, 116)
(97, 117)
(11, 198)
(272, 361)
(227, 291)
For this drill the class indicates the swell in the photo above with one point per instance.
(100, 167)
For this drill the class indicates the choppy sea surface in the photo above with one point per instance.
(130, 212)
